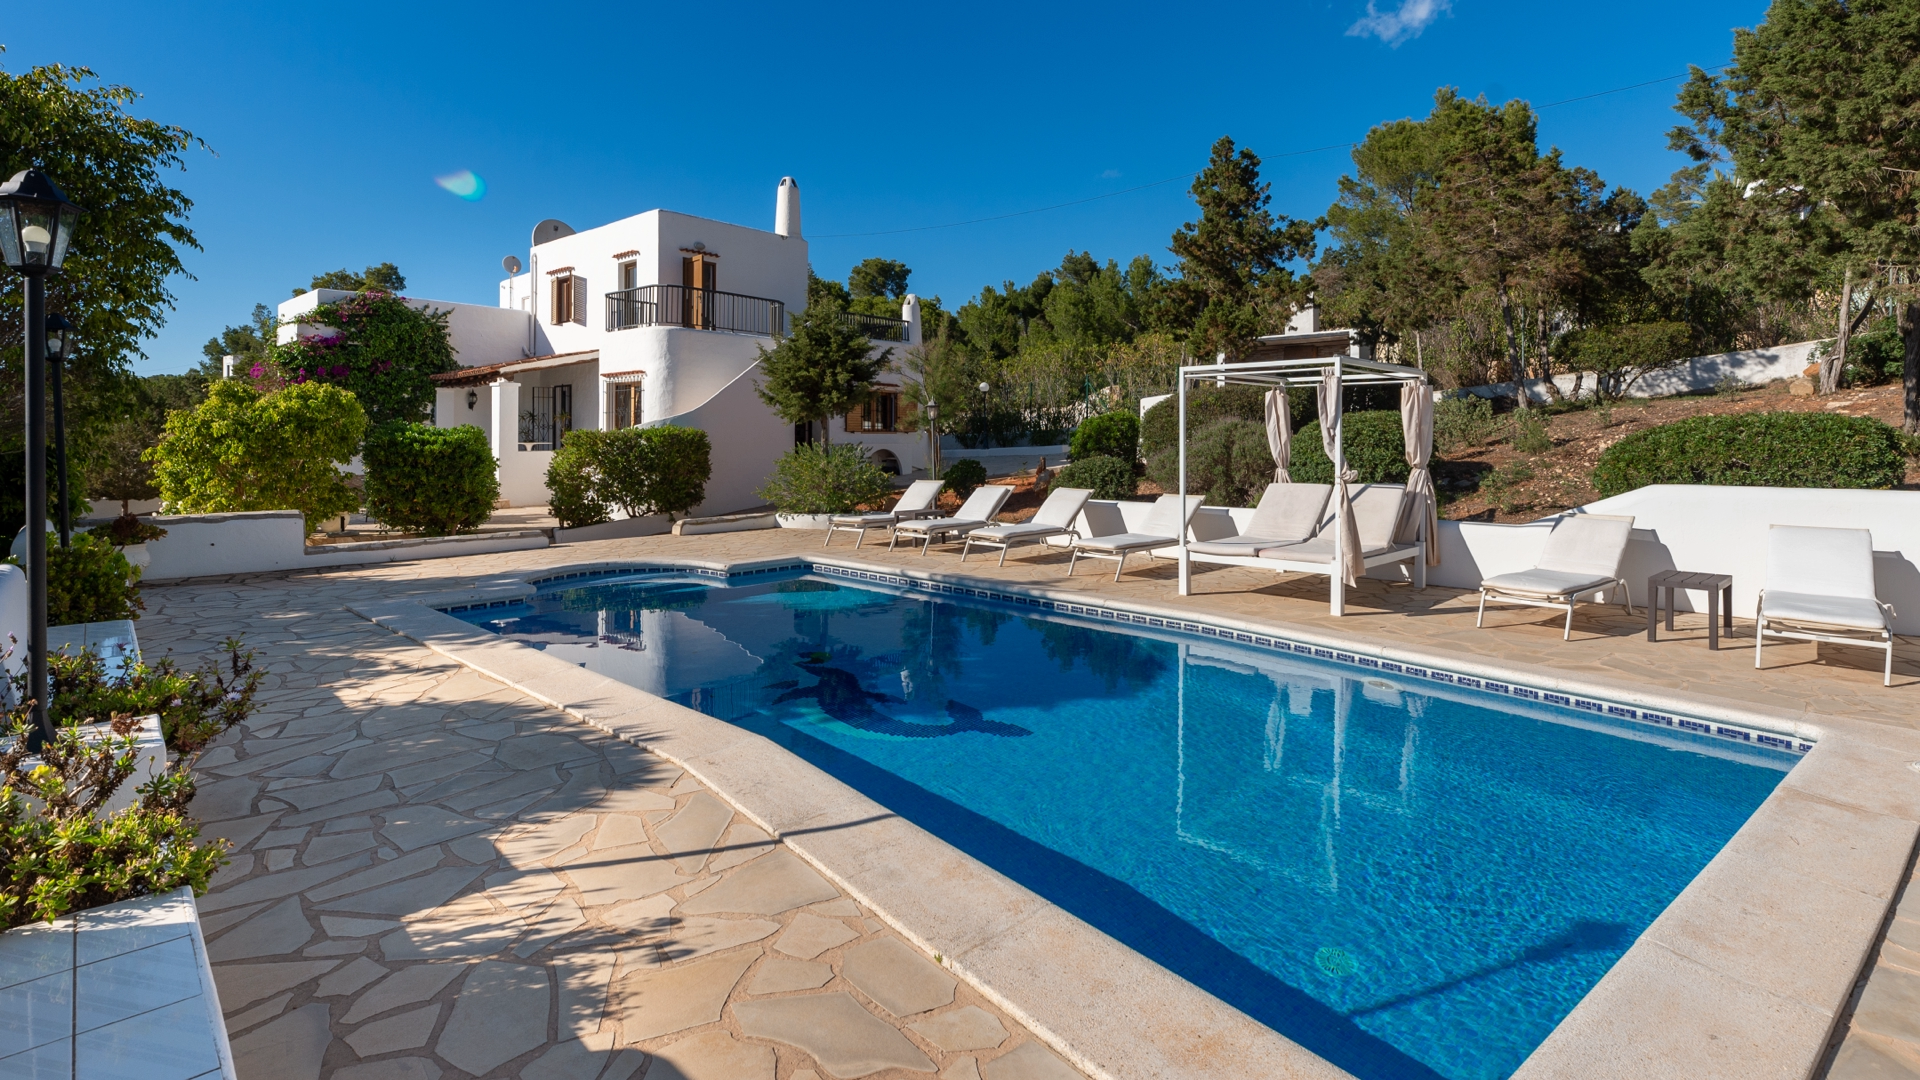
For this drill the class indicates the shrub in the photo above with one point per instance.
(425, 479)
(1530, 432)
(1108, 477)
(244, 450)
(1376, 448)
(194, 706)
(90, 582)
(1228, 463)
(127, 529)
(963, 476)
(1757, 450)
(815, 479)
(656, 470)
(1114, 435)
(57, 854)
(573, 481)
(1160, 428)
(1461, 422)
(1620, 355)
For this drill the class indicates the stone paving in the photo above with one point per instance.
(438, 877)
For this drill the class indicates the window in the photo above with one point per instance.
(881, 413)
(629, 275)
(551, 416)
(569, 298)
(626, 404)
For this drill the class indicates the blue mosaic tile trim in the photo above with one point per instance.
(1608, 709)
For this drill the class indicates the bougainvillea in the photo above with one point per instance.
(384, 350)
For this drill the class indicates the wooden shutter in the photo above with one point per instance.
(579, 310)
(908, 407)
(854, 416)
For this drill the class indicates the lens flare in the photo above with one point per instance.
(466, 183)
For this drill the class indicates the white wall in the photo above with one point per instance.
(747, 438)
(523, 476)
(479, 334)
(212, 545)
(1712, 529)
(1751, 367)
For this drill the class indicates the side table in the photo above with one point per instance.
(1719, 590)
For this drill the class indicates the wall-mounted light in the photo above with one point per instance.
(473, 398)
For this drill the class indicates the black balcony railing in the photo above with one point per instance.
(878, 327)
(698, 309)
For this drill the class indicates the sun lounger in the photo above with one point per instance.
(977, 512)
(1582, 555)
(1055, 518)
(915, 502)
(1163, 526)
(1287, 514)
(1820, 587)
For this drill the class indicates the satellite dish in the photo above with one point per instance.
(550, 229)
(511, 264)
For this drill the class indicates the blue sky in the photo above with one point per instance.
(328, 125)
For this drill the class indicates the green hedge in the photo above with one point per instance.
(656, 470)
(91, 581)
(1375, 448)
(1114, 435)
(1758, 450)
(1228, 463)
(963, 476)
(425, 479)
(1107, 476)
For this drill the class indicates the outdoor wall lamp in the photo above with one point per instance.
(59, 347)
(473, 398)
(36, 226)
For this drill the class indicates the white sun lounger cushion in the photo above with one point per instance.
(979, 508)
(1055, 516)
(1587, 544)
(1819, 561)
(1546, 583)
(920, 495)
(1287, 514)
(1162, 527)
(1376, 513)
(1811, 608)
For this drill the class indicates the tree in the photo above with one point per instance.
(1816, 115)
(79, 131)
(248, 344)
(1234, 284)
(384, 277)
(880, 278)
(821, 370)
(244, 450)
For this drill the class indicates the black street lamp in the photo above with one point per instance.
(59, 347)
(36, 225)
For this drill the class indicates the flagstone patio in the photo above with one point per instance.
(438, 876)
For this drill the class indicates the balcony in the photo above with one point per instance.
(696, 309)
(878, 327)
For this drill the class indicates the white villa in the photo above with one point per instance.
(653, 319)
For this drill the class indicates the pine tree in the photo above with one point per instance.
(1234, 284)
(820, 370)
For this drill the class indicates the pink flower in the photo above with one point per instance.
(258, 370)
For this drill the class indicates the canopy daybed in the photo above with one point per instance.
(1336, 548)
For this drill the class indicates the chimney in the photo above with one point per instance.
(910, 314)
(786, 208)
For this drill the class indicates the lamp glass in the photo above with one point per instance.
(69, 217)
(9, 237)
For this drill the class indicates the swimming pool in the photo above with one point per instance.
(1409, 879)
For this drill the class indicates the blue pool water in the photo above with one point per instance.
(1409, 880)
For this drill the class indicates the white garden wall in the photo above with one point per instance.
(215, 545)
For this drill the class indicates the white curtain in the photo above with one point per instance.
(1279, 434)
(1416, 424)
(1352, 565)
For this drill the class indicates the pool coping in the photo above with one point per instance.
(1745, 974)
